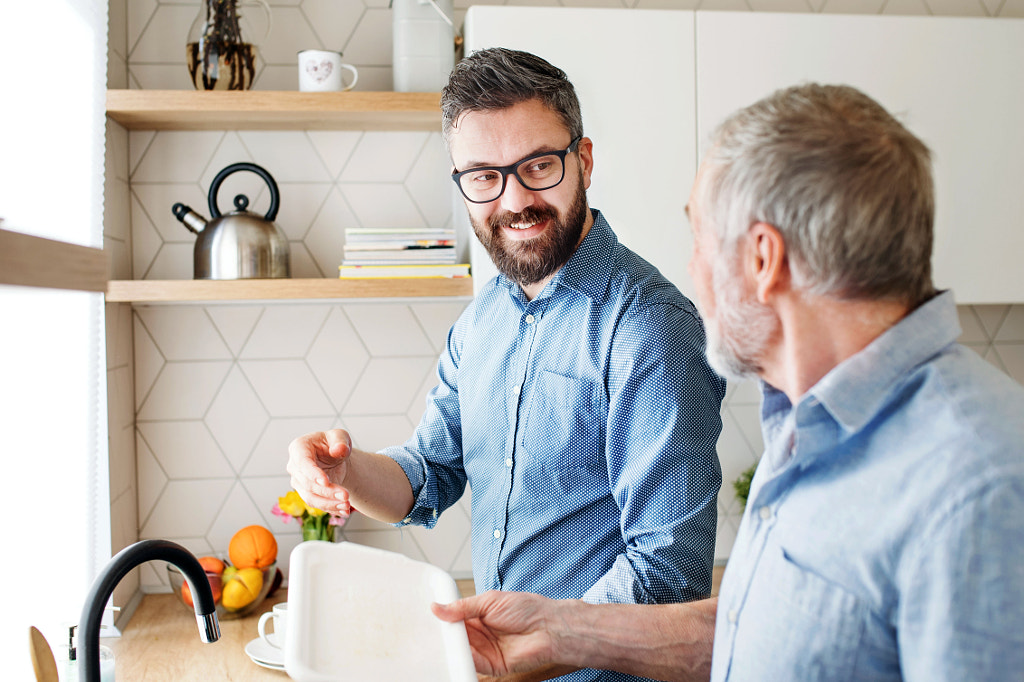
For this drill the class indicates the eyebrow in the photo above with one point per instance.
(539, 150)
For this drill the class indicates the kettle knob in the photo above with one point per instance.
(275, 196)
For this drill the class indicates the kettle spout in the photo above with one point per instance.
(189, 218)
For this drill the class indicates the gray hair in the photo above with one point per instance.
(848, 187)
(498, 78)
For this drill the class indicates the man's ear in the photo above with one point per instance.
(767, 263)
(586, 152)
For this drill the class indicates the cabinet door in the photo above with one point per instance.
(957, 83)
(633, 71)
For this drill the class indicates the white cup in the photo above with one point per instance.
(320, 71)
(280, 617)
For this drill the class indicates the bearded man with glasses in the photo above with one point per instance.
(574, 397)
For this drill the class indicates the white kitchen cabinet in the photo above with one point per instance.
(634, 73)
(654, 84)
(958, 83)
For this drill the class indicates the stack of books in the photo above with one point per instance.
(399, 252)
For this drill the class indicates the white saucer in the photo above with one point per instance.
(265, 655)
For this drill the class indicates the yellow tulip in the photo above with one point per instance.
(292, 504)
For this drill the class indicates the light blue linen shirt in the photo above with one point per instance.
(884, 534)
(585, 422)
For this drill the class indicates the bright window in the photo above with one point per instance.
(53, 440)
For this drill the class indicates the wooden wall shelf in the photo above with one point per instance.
(277, 110)
(274, 110)
(192, 290)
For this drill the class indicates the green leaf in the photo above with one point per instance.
(742, 484)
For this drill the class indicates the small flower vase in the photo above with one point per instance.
(218, 57)
(318, 528)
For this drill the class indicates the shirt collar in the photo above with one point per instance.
(856, 389)
(588, 270)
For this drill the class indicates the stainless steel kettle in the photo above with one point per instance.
(241, 244)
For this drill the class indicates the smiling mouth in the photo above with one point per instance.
(522, 225)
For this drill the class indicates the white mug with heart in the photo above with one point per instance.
(320, 71)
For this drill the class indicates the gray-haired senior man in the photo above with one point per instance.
(884, 533)
(574, 394)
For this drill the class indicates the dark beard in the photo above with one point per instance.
(531, 261)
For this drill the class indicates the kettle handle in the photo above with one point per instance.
(275, 196)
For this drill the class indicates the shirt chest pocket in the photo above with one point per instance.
(822, 622)
(565, 422)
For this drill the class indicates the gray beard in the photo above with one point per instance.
(741, 331)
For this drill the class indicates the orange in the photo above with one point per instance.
(252, 547)
(243, 589)
(215, 587)
(211, 564)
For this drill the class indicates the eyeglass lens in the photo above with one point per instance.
(535, 173)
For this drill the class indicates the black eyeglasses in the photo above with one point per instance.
(538, 172)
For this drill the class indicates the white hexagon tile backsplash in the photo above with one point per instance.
(223, 389)
(220, 390)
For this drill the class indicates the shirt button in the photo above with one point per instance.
(508, 462)
(765, 512)
(497, 534)
(733, 615)
(515, 390)
(529, 319)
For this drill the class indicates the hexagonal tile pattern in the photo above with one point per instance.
(334, 147)
(376, 432)
(384, 157)
(236, 417)
(287, 388)
(148, 362)
(183, 390)
(235, 323)
(185, 449)
(389, 330)
(177, 156)
(332, 21)
(285, 331)
(385, 204)
(338, 357)
(388, 385)
(270, 455)
(301, 202)
(436, 319)
(326, 236)
(165, 324)
(187, 508)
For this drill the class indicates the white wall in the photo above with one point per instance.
(204, 398)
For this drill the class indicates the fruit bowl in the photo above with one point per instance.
(239, 597)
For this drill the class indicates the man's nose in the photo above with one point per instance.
(516, 197)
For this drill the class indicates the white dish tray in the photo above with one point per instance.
(360, 614)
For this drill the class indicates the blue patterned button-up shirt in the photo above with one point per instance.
(585, 422)
(884, 534)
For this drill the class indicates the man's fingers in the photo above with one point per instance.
(450, 613)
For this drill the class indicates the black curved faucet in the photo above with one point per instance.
(124, 561)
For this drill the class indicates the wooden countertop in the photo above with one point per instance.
(161, 642)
